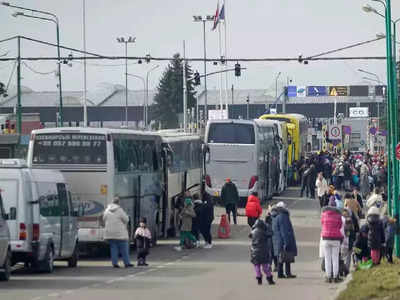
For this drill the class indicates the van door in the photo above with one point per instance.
(66, 222)
(4, 235)
(9, 189)
(50, 212)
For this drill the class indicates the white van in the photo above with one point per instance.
(5, 250)
(41, 219)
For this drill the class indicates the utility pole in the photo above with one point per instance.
(19, 109)
(184, 89)
(248, 107)
(232, 89)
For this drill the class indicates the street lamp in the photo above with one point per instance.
(147, 95)
(144, 94)
(55, 20)
(378, 80)
(276, 88)
(126, 42)
(204, 19)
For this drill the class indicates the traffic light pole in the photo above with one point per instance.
(19, 110)
(205, 73)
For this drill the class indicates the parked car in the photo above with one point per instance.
(41, 219)
(5, 250)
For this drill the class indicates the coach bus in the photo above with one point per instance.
(101, 163)
(297, 126)
(247, 152)
(183, 172)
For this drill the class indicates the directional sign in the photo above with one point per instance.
(338, 91)
(315, 91)
(292, 91)
(301, 91)
(335, 133)
(398, 151)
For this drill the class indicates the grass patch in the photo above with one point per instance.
(380, 282)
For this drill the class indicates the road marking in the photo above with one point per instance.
(96, 285)
(69, 292)
(53, 295)
(36, 298)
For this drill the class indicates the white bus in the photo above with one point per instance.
(247, 152)
(183, 173)
(100, 163)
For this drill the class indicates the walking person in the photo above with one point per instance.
(376, 234)
(390, 227)
(253, 209)
(304, 180)
(349, 238)
(322, 189)
(260, 250)
(311, 179)
(284, 240)
(364, 181)
(116, 233)
(143, 239)
(354, 206)
(331, 221)
(206, 219)
(186, 215)
(230, 199)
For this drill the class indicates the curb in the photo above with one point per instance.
(342, 286)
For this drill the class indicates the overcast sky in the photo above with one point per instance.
(254, 29)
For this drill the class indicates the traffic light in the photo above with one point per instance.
(237, 69)
(196, 78)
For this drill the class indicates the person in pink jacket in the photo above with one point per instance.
(331, 221)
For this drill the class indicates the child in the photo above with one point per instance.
(376, 234)
(361, 249)
(390, 226)
(348, 240)
(187, 214)
(261, 249)
(143, 238)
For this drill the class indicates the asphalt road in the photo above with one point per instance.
(223, 272)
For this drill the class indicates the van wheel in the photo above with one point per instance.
(5, 275)
(47, 265)
(73, 260)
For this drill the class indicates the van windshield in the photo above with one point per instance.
(231, 133)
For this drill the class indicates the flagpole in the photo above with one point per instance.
(221, 74)
(226, 63)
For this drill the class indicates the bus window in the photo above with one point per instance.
(125, 155)
(231, 133)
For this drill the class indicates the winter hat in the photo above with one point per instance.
(373, 211)
(332, 201)
(281, 204)
(188, 201)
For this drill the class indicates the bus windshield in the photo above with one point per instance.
(69, 148)
(231, 133)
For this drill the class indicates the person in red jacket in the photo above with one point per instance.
(253, 209)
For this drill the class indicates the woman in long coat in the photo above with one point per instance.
(284, 240)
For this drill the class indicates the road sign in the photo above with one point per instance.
(315, 91)
(292, 91)
(398, 151)
(335, 133)
(301, 91)
(338, 91)
(358, 112)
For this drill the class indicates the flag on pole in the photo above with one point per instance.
(216, 18)
(221, 15)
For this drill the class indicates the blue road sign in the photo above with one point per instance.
(292, 91)
(317, 91)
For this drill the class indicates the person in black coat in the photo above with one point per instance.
(260, 250)
(284, 240)
(376, 234)
(206, 219)
(197, 206)
(311, 179)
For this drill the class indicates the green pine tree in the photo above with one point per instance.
(168, 102)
